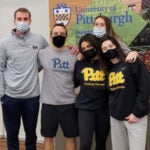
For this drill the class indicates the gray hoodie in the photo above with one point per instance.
(18, 64)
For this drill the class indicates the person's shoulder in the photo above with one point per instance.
(80, 62)
(137, 64)
(68, 53)
(39, 38)
(36, 35)
(6, 39)
(45, 50)
(137, 61)
(43, 53)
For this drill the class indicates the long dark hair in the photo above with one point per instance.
(92, 39)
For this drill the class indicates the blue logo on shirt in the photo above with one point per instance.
(57, 63)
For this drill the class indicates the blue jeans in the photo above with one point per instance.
(15, 109)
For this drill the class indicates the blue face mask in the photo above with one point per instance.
(22, 26)
(99, 32)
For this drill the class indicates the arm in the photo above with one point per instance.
(39, 62)
(79, 56)
(132, 118)
(131, 55)
(76, 81)
(3, 60)
(141, 78)
(73, 49)
(44, 43)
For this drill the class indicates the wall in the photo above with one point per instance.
(39, 10)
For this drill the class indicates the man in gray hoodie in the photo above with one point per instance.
(19, 83)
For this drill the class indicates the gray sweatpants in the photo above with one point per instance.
(128, 136)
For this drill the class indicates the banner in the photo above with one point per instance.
(78, 16)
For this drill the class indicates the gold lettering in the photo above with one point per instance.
(116, 78)
(90, 75)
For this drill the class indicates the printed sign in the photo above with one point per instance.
(126, 17)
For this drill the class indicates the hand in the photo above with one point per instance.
(132, 56)
(2, 94)
(79, 56)
(74, 50)
(132, 118)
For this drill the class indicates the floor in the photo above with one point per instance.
(3, 145)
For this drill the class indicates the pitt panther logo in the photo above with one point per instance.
(91, 75)
(62, 14)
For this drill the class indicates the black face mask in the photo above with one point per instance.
(59, 41)
(89, 54)
(111, 53)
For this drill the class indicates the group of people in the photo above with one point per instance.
(113, 93)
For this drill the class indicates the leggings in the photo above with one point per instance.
(93, 122)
